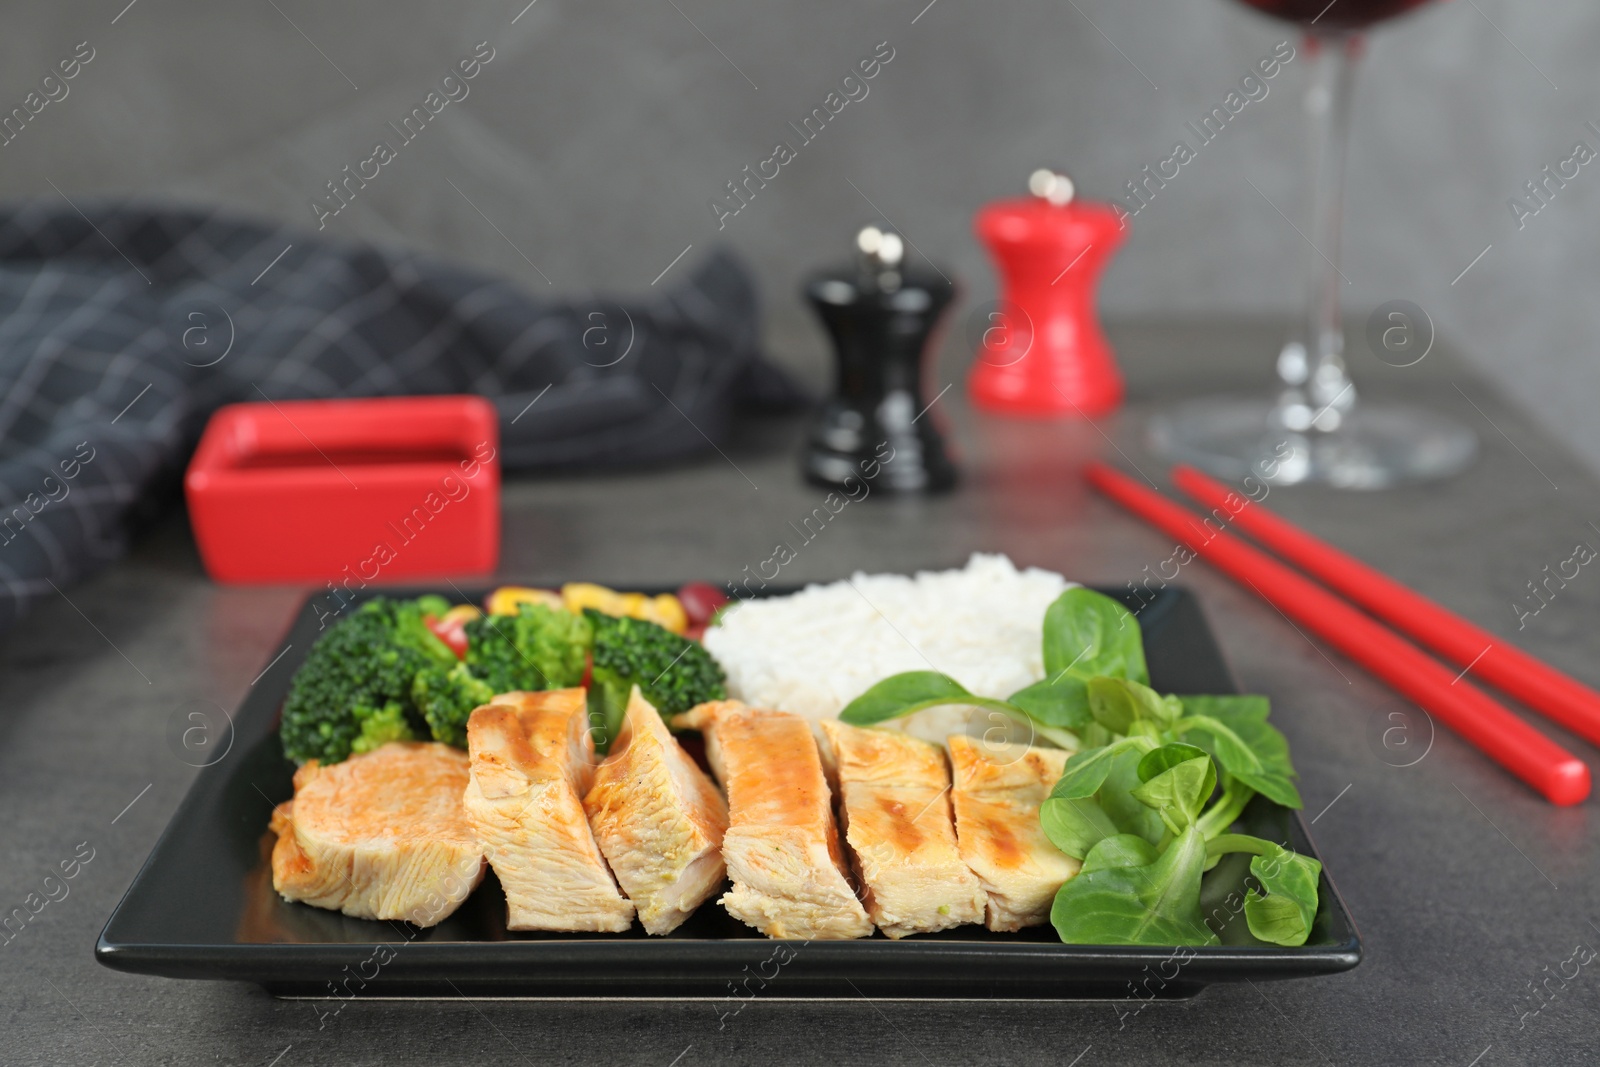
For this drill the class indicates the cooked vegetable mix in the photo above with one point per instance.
(399, 670)
(665, 610)
(1154, 787)
(446, 697)
(539, 647)
(451, 627)
(354, 691)
(673, 672)
(507, 600)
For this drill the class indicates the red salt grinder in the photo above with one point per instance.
(1041, 352)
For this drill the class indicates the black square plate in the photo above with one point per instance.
(203, 906)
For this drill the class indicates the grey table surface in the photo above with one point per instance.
(1470, 891)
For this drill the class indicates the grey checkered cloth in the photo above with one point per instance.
(123, 327)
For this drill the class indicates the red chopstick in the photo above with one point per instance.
(1509, 669)
(1552, 771)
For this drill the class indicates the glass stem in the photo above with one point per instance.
(1327, 387)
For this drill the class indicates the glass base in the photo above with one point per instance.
(1376, 445)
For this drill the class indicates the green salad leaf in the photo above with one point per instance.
(1124, 896)
(1227, 808)
(1093, 800)
(902, 694)
(1285, 913)
(1234, 729)
(1087, 771)
(1120, 850)
(1075, 825)
(1118, 703)
(1178, 781)
(1092, 635)
(1061, 702)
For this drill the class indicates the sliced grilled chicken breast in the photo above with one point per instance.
(895, 810)
(658, 819)
(380, 836)
(997, 791)
(532, 759)
(782, 846)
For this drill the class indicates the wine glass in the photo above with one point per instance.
(1316, 431)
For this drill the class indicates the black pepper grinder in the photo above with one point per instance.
(876, 428)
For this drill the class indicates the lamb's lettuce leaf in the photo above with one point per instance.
(1094, 799)
(1076, 825)
(1061, 701)
(1234, 729)
(1124, 896)
(1281, 911)
(1285, 913)
(1177, 782)
(1091, 635)
(1118, 703)
(902, 694)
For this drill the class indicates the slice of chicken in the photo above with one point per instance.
(658, 819)
(997, 791)
(895, 810)
(782, 846)
(382, 835)
(532, 761)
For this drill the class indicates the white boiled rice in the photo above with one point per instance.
(815, 651)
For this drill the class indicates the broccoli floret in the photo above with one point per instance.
(379, 726)
(537, 648)
(673, 672)
(355, 685)
(446, 697)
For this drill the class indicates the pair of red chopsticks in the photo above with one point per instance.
(1554, 772)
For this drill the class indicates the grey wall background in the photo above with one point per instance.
(594, 139)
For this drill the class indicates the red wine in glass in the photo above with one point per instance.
(1321, 15)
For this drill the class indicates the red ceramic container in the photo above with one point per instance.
(347, 491)
(1049, 357)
